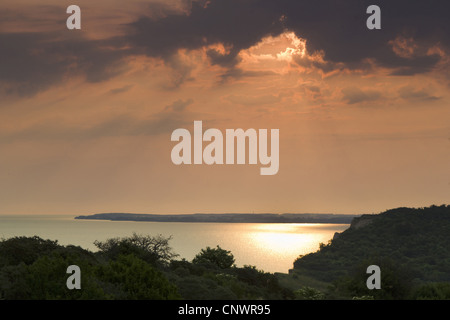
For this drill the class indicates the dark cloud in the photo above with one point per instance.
(31, 62)
(339, 29)
(25, 67)
(336, 27)
(234, 23)
(228, 60)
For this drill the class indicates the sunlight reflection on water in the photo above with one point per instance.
(270, 247)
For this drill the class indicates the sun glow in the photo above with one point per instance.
(275, 50)
(299, 47)
(284, 239)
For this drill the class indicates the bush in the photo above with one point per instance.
(308, 293)
(154, 250)
(433, 291)
(219, 257)
(24, 249)
(131, 278)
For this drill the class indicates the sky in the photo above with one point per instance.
(86, 116)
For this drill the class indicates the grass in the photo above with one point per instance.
(296, 280)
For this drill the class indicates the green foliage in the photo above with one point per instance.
(410, 245)
(308, 293)
(216, 256)
(295, 280)
(153, 249)
(432, 291)
(24, 249)
(203, 279)
(253, 276)
(396, 281)
(363, 298)
(203, 288)
(135, 268)
(130, 278)
(46, 277)
(33, 268)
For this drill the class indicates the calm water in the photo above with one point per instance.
(271, 247)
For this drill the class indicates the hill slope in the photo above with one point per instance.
(414, 242)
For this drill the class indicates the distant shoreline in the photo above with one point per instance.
(226, 217)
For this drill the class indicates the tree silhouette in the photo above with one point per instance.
(217, 256)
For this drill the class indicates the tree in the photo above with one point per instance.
(151, 249)
(396, 281)
(45, 279)
(24, 249)
(217, 256)
(131, 278)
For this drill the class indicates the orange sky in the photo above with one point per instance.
(352, 140)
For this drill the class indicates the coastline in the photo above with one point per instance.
(225, 217)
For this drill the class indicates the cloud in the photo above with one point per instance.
(238, 73)
(179, 105)
(181, 71)
(335, 32)
(254, 100)
(121, 89)
(235, 24)
(32, 62)
(410, 93)
(354, 95)
(170, 118)
(338, 28)
(25, 67)
(228, 59)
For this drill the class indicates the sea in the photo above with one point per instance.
(270, 247)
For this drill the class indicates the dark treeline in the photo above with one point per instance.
(411, 247)
(136, 268)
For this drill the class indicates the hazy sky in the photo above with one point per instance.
(86, 115)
